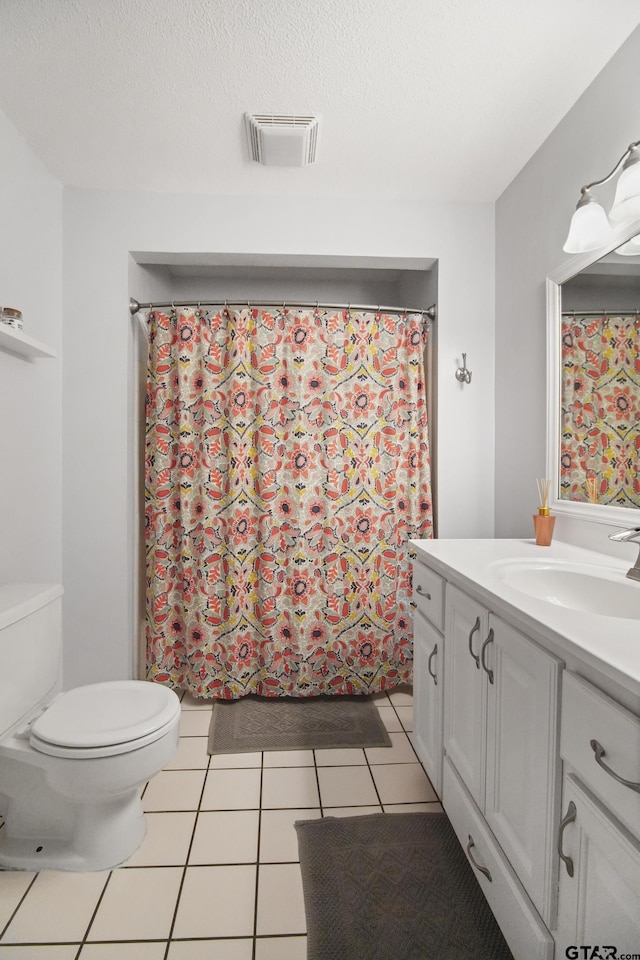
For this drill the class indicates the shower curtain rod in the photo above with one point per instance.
(430, 312)
(600, 313)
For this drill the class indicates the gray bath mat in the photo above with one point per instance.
(392, 886)
(295, 723)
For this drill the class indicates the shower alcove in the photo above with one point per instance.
(258, 278)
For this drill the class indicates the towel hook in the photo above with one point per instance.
(462, 374)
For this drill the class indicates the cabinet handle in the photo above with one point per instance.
(422, 592)
(568, 818)
(431, 656)
(598, 750)
(482, 660)
(475, 863)
(474, 629)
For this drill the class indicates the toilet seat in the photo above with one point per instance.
(104, 719)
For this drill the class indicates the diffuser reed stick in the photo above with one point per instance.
(543, 493)
(543, 522)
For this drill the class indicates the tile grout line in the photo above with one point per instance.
(93, 915)
(315, 765)
(20, 902)
(186, 862)
(255, 896)
(373, 780)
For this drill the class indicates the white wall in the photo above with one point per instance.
(603, 292)
(532, 219)
(100, 229)
(329, 286)
(30, 390)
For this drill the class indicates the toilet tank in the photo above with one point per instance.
(30, 648)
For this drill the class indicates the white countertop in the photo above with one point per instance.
(610, 645)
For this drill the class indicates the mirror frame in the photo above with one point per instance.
(596, 513)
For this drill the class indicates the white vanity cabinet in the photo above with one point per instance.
(599, 890)
(500, 736)
(541, 744)
(599, 835)
(428, 672)
(465, 694)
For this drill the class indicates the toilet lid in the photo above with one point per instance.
(105, 714)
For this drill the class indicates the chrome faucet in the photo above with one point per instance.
(633, 534)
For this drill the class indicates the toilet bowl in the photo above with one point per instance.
(72, 764)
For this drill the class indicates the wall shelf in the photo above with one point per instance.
(16, 341)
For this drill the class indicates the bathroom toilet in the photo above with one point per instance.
(72, 764)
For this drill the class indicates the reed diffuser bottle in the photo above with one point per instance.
(543, 522)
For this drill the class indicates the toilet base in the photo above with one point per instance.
(71, 813)
(104, 835)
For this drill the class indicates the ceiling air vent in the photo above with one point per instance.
(280, 141)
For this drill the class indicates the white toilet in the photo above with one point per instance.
(71, 764)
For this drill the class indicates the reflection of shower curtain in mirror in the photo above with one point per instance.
(286, 465)
(600, 409)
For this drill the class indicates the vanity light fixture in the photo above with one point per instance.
(631, 248)
(590, 227)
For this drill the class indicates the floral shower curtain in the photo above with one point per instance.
(286, 465)
(600, 409)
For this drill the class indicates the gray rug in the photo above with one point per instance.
(393, 886)
(289, 723)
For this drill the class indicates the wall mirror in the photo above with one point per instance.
(593, 404)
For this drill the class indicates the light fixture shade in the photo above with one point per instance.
(631, 248)
(626, 205)
(589, 228)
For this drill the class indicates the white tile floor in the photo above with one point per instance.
(217, 877)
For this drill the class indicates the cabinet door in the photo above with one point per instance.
(522, 749)
(600, 903)
(464, 711)
(427, 682)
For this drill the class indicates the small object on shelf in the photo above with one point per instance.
(12, 317)
(543, 522)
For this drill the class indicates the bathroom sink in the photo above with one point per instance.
(603, 591)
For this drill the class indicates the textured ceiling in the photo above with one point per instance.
(443, 99)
